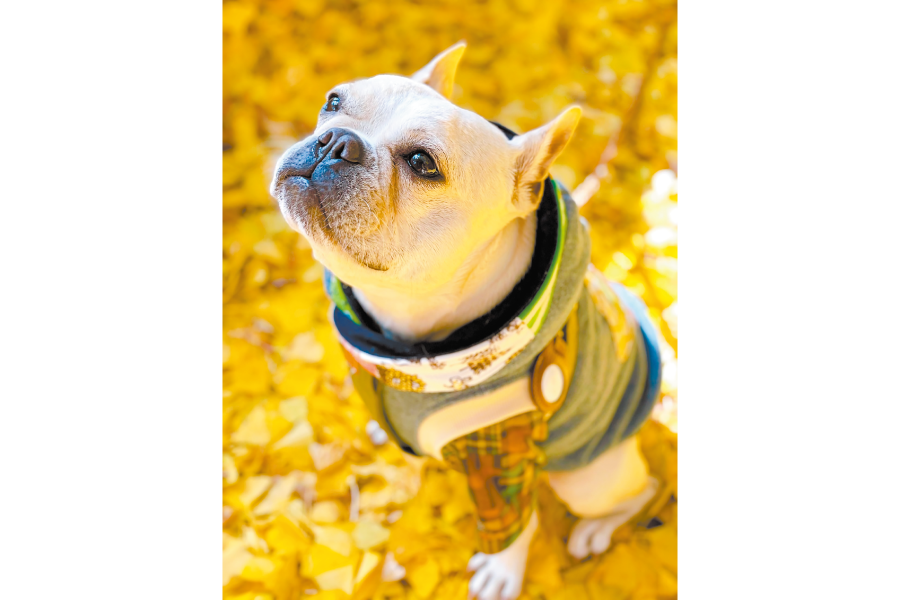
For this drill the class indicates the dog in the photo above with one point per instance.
(476, 330)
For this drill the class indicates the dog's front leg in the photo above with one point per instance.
(500, 575)
(501, 465)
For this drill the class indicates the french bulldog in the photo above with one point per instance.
(427, 215)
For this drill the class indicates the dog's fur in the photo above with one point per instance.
(426, 256)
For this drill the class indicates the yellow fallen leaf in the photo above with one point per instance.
(452, 589)
(273, 222)
(249, 596)
(300, 435)
(284, 535)
(294, 409)
(368, 579)
(336, 539)
(370, 562)
(253, 429)
(457, 506)
(424, 577)
(278, 426)
(229, 470)
(278, 495)
(268, 249)
(619, 568)
(314, 273)
(543, 569)
(325, 455)
(322, 559)
(331, 595)
(573, 591)
(391, 474)
(326, 511)
(379, 499)
(579, 572)
(296, 512)
(394, 591)
(664, 545)
(435, 491)
(296, 379)
(668, 584)
(234, 558)
(304, 347)
(257, 568)
(598, 591)
(252, 541)
(254, 487)
(369, 534)
(338, 579)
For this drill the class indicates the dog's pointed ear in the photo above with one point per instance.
(440, 72)
(537, 150)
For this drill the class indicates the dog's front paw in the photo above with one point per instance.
(593, 536)
(497, 576)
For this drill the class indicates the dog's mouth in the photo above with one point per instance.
(304, 206)
(290, 172)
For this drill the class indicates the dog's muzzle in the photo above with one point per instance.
(338, 146)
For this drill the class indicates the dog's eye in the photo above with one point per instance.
(333, 103)
(422, 164)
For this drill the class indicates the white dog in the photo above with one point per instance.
(476, 330)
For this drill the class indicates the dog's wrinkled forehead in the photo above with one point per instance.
(378, 102)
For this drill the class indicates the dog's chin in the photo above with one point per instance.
(303, 208)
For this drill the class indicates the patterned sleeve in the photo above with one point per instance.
(500, 462)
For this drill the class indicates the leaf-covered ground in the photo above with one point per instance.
(311, 507)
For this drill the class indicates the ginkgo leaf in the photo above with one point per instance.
(253, 429)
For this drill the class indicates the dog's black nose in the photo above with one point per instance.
(344, 144)
(326, 137)
(338, 148)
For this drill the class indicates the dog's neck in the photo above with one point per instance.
(486, 277)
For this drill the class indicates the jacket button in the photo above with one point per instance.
(552, 383)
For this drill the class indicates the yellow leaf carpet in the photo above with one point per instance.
(311, 507)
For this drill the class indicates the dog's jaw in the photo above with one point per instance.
(485, 278)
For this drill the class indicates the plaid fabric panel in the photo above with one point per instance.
(500, 462)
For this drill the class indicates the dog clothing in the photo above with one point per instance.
(564, 317)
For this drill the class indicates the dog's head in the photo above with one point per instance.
(397, 186)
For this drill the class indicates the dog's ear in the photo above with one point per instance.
(537, 150)
(440, 72)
